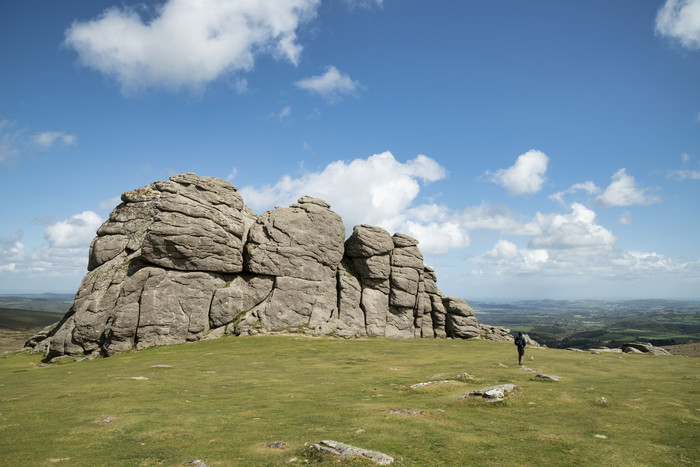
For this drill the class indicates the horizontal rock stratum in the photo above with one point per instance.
(185, 259)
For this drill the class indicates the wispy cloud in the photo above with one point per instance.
(188, 44)
(680, 21)
(623, 191)
(331, 85)
(526, 176)
(47, 139)
(587, 186)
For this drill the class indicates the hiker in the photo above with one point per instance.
(520, 344)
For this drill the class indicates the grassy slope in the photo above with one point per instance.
(224, 401)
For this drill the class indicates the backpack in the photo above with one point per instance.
(520, 341)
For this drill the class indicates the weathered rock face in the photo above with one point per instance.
(185, 259)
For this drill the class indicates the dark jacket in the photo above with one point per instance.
(520, 341)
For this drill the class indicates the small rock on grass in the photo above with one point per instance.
(548, 377)
(492, 393)
(346, 450)
(429, 383)
(277, 445)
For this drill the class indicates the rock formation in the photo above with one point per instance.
(185, 259)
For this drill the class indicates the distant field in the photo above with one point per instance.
(594, 323)
(225, 401)
(16, 326)
(54, 303)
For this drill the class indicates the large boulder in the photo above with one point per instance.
(185, 259)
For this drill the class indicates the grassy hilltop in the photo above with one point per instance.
(225, 401)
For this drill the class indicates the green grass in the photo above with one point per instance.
(224, 401)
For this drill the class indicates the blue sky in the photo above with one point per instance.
(538, 149)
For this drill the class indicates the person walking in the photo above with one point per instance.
(520, 342)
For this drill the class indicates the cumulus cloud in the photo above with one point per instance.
(11, 252)
(526, 176)
(515, 260)
(623, 191)
(74, 232)
(188, 43)
(680, 21)
(46, 139)
(577, 229)
(331, 85)
(377, 190)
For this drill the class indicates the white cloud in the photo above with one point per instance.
(506, 255)
(686, 174)
(77, 231)
(575, 230)
(623, 191)
(625, 218)
(587, 186)
(526, 176)
(188, 43)
(283, 113)
(46, 139)
(331, 85)
(377, 190)
(685, 157)
(364, 3)
(109, 204)
(680, 20)
(232, 174)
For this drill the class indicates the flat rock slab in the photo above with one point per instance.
(430, 383)
(492, 393)
(548, 377)
(346, 450)
(527, 370)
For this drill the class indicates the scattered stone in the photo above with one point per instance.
(108, 420)
(493, 393)
(161, 366)
(547, 377)
(139, 378)
(573, 349)
(277, 445)
(605, 350)
(602, 401)
(412, 413)
(643, 347)
(600, 436)
(346, 450)
(465, 377)
(494, 333)
(198, 463)
(527, 370)
(428, 383)
(502, 365)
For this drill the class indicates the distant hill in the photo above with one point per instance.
(593, 323)
(47, 302)
(20, 320)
